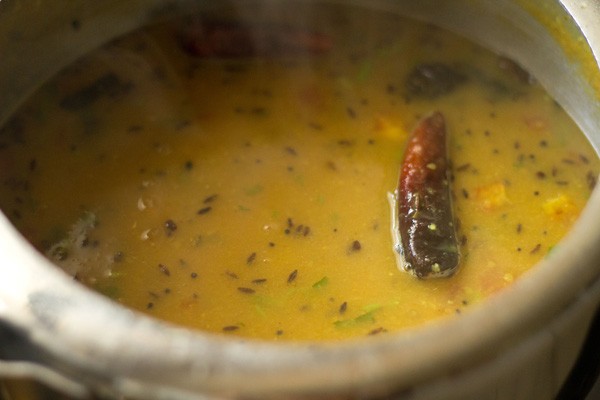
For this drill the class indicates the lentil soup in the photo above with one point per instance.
(234, 178)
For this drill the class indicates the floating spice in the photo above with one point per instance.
(591, 180)
(230, 328)
(291, 151)
(170, 227)
(204, 210)
(210, 198)
(463, 167)
(377, 331)
(345, 142)
(163, 268)
(231, 274)
(292, 276)
(433, 80)
(296, 230)
(423, 226)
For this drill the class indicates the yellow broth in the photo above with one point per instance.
(248, 196)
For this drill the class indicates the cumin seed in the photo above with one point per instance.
(230, 328)
(259, 111)
(292, 276)
(246, 290)
(316, 126)
(163, 268)
(251, 258)
(170, 227)
(343, 307)
(204, 210)
(291, 151)
(463, 167)
(591, 180)
(377, 331)
(231, 274)
(210, 198)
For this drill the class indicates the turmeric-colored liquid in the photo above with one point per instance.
(248, 196)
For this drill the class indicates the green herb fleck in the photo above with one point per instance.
(368, 316)
(254, 190)
(324, 281)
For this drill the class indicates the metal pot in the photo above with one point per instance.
(521, 343)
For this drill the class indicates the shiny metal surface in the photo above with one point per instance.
(520, 345)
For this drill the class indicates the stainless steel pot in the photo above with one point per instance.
(520, 344)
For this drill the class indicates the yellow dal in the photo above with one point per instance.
(249, 197)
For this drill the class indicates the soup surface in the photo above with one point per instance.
(234, 178)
